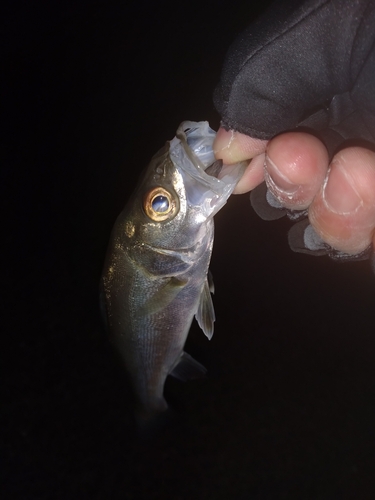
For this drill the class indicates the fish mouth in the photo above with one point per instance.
(208, 183)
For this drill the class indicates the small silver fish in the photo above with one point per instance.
(155, 277)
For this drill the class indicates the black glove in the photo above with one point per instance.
(304, 64)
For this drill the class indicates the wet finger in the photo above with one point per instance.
(343, 212)
(253, 176)
(295, 168)
(232, 147)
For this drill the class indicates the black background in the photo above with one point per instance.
(91, 90)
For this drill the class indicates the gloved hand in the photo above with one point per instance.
(306, 67)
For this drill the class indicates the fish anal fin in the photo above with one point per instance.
(205, 314)
(187, 368)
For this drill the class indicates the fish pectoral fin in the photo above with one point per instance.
(187, 368)
(210, 280)
(165, 295)
(205, 314)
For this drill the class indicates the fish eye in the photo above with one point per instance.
(160, 205)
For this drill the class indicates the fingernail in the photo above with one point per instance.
(339, 193)
(223, 140)
(278, 183)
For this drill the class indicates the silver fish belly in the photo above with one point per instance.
(155, 277)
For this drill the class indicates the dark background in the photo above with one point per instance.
(90, 91)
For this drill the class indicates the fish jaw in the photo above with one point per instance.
(191, 152)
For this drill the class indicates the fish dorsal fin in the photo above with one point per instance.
(187, 368)
(205, 314)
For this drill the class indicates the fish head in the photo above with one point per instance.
(177, 199)
(156, 213)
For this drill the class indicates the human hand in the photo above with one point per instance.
(338, 190)
(339, 195)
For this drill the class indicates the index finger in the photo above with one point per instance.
(233, 147)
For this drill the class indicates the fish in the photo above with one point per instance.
(156, 274)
